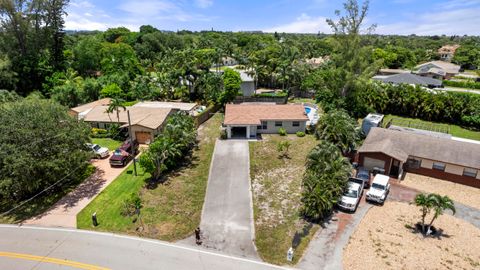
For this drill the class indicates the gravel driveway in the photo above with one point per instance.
(227, 217)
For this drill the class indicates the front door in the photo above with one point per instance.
(395, 169)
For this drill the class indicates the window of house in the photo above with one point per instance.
(259, 127)
(296, 124)
(470, 172)
(439, 166)
(278, 123)
(414, 163)
(264, 125)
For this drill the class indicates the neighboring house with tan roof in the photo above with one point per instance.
(447, 52)
(397, 152)
(146, 122)
(249, 119)
(80, 111)
(437, 70)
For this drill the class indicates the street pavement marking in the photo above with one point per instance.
(51, 260)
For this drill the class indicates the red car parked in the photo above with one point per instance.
(122, 155)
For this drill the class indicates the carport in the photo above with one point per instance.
(240, 131)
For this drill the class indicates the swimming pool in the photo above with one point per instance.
(308, 110)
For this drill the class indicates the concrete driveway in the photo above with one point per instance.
(64, 212)
(227, 217)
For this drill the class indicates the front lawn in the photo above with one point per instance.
(171, 209)
(111, 144)
(276, 185)
(454, 130)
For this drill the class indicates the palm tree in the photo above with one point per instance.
(337, 127)
(115, 105)
(324, 181)
(424, 201)
(439, 205)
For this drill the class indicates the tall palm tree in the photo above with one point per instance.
(324, 181)
(439, 205)
(115, 105)
(424, 201)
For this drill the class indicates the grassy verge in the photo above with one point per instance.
(42, 203)
(455, 130)
(111, 144)
(171, 208)
(276, 185)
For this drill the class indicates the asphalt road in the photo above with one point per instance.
(55, 248)
(227, 216)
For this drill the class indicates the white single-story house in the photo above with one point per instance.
(146, 122)
(246, 120)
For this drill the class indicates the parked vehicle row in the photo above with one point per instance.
(377, 193)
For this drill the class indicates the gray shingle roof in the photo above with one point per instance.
(409, 78)
(400, 145)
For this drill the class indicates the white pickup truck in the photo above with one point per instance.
(379, 189)
(351, 197)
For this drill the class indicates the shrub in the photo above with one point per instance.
(462, 84)
(300, 134)
(223, 134)
(282, 132)
(99, 133)
(131, 204)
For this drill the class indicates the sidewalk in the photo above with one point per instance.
(64, 212)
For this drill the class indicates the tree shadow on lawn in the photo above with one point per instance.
(189, 162)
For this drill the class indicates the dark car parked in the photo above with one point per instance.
(122, 155)
(364, 174)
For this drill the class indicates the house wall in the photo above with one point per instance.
(248, 88)
(464, 180)
(287, 125)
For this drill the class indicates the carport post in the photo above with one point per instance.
(132, 149)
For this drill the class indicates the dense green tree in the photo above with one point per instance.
(177, 138)
(8, 96)
(231, 85)
(112, 91)
(87, 55)
(338, 128)
(41, 144)
(324, 181)
(468, 56)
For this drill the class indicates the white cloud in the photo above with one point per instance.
(203, 3)
(448, 22)
(303, 24)
(84, 15)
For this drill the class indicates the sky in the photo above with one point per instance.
(403, 17)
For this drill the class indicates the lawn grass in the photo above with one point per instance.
(42, 203)
(276, 185)
(171, 208)
(454, 130)
(111, 144)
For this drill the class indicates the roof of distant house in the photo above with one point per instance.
(393, 71)
(448, 48)
(400, 145)
(183, 106)
(142, 116)
(254, 114)
(408, 78)
(445, 66)
(91, 105)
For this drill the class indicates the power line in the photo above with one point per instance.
(41, 192)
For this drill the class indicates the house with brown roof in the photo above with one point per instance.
(246, 120)
(397, 152)
(437, 70)
(80, 111)
(447, 52)
(146, 122)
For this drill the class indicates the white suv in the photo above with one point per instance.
(98, 151)
(351, 197)
(379, 189)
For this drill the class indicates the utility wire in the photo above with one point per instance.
(41, 192)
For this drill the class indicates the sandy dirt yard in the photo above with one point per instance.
(383, 241)
(460, 193)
